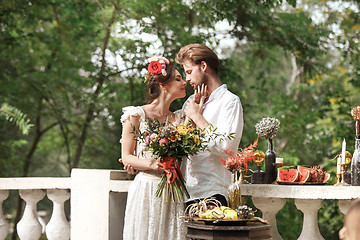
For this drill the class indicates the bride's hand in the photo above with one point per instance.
(130, 169)
(156, 165)
(201, 93)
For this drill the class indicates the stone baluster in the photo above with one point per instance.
(58, 227)
(29, 227)
(270, 207)
(344, 205)
(4, 226)
(310, 208)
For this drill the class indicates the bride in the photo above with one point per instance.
(148, 216)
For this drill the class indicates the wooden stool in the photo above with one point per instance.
(200, 230)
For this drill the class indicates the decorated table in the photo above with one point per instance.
(270, 198)
(307, 185)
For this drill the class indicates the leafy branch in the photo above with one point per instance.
(14, 115)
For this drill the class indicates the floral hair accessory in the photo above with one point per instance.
(158, 65)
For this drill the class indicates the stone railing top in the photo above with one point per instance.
(35, 183)
(119, 180)
(300, 191)
(104, 179)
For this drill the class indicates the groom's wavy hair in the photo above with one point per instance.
(196, 53)
(154, 81)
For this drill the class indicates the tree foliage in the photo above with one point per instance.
(71, 66)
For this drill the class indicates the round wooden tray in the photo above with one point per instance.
(299, 183)
(224, 222)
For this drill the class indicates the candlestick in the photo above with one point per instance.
(342, 176)
(343, 152)
(338, 165)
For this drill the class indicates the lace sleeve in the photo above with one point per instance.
(132, 111)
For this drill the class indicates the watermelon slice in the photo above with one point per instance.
(327, 177)
(288, 175)
(304, 174)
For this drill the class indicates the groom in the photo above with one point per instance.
(204, 174)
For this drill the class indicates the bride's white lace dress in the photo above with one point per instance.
(147, 216)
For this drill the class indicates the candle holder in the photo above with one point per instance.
(258, 176)
(342, 176)
(279, 165)
(338, 176)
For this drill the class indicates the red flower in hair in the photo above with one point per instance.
(154, 67)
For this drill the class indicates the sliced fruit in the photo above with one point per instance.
(304, 174)
(288, 175)
(230, 214)
(327, 177)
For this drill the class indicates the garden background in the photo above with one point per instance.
(69, 67)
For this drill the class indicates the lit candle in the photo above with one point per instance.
(279, 160)
(338, 171)
(343, 152)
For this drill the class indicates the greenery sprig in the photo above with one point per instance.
(14, 115)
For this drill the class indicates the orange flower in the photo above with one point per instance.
(242, 158)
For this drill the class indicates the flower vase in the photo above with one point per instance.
(355, 164)
(270, 168)
(234, 191)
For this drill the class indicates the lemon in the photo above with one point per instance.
(230, 214)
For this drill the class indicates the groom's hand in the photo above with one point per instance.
(200, 92)
(194, 112)
(193, 109)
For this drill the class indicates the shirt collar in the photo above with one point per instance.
(217, 93)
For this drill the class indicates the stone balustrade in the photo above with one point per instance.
(270, 198)
(32, 190)
(98, 201)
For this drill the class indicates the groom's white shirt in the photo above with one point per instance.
(204, 174)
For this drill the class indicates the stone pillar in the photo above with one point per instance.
(29, 227)
(4, 226)
(90, 204)
(98, 201)
(58, 227)
(310, 208)
(270, 207)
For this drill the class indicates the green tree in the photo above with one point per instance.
(71, 66)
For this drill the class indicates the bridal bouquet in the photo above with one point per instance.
(171, 142)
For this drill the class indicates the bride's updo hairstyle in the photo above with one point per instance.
(160, 71)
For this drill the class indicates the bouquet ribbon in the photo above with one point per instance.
(168, 164)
